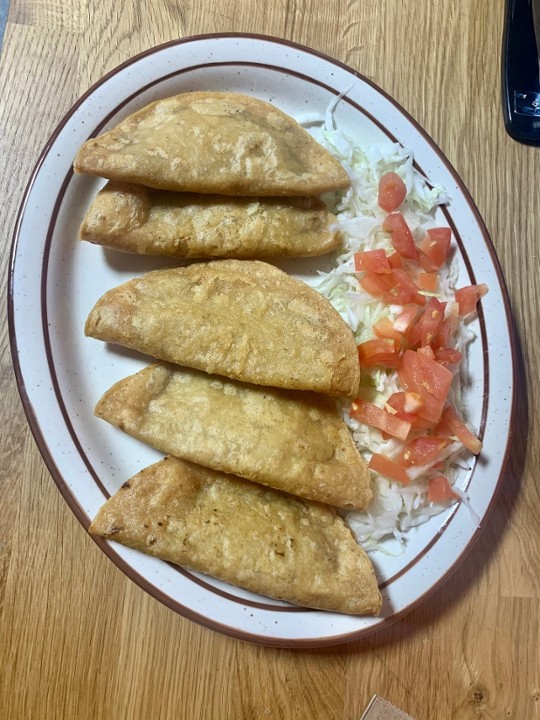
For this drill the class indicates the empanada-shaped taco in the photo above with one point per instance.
(213, 142)
(256, 538)
(244, 319)
(136, 219)
(292, 441)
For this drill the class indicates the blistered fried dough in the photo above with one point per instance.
(292, 441)
(136, 219)
(244, 319)
(256, 538)
(213, 142)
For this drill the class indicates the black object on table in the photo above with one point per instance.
(521, 70)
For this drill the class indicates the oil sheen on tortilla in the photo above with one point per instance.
(213, 142)
(244, 319)
(133, 218)
(256, 538)
(290, 440)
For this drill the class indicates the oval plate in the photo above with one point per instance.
(55, 280)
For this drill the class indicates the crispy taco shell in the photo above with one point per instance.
(259, 539)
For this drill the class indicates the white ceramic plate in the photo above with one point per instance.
(55, 280)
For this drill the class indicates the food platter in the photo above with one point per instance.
(55, 280)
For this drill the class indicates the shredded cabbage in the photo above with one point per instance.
(395, 508)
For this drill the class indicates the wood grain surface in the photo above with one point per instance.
(77, 638)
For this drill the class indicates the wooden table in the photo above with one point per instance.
(77, 638)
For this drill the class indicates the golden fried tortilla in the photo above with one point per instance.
(244, 319)
(136, 219)
(259, 539)
(213, 142)
(292, 441)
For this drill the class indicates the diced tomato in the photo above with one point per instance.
(377, 417)
(405, 406)
(414, 335)
(373, 261)
(443, 428)
(406, 318)
(437, 379)
(467, 297)
(422, 374)
(425, 263)
(395, 260)
(426, 353)
(404, 291)
(396, 405)
(394, 288)
(424, 332)
(439, 490)
(435, 247)
(377, 284)
(427, 281)
(445, 336)
(401, 237)
(392, 191)
(388, 468)
(422, 451)
(405, 374)
(431, 321)
(407, 402)
(447, 356)
(446, 333)
(451, 424)
(384, 328)
(423, 425)
(383, 352)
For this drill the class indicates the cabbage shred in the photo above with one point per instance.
(395, 508)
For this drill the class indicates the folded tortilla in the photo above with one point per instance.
(244, 319)
(293, 441)
(259, 539)
(136, 219)
(213, 142)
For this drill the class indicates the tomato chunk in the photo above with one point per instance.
(423, 451)
(406, 402)
(452, 425)
(447, 356)
(395, 260)
(392, 191)
(439, 490)
(431, 321)
(426, 353)
(374, 261)
(420, 372)
(377, 284)
(437, 379)
(427, 281)
(384, 328)
(379, 418)
(403, 290)
(388, 468)
(405, 406)
(435, 247)
(383, 352)
(414, 335)
(467, 297)
(394, 287)
(401, 237)
(406, 318)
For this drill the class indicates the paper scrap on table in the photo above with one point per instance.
(380, 709)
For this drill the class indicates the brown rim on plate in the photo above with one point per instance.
(47, 454)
